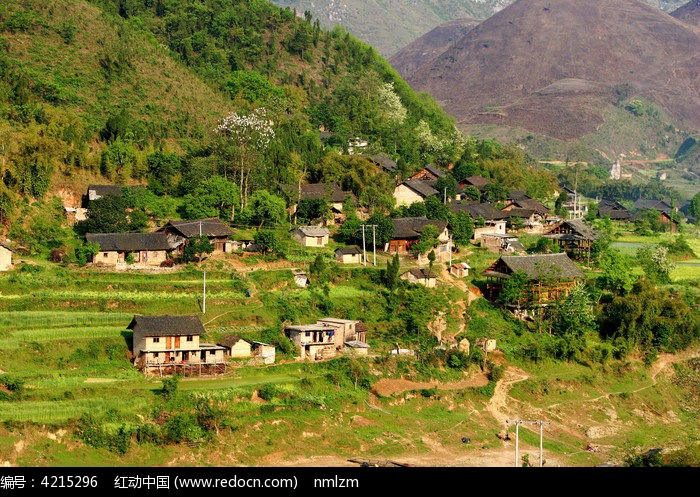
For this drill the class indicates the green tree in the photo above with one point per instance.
(213, 197)
(163, 172)
(617, 274)
(514, 289)
(573, 314)
(267, 240)
(112, 214)
(196, 247)
(462, 226)
(264, 209)
(318, 270)
(694, 208)
(655, 263)
(391, 278)
(428, 239)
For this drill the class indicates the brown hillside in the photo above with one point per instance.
(407, 60)
(689, 13)
(552, 67)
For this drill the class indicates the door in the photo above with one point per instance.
(177, 342)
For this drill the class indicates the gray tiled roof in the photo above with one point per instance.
(476, 210)
(537, 266)
(212, 226)
(230, 340)
(313, 231)
(351, 250)
(102, 190)
(412, 227)
(166, 325)
(330, 191)
(421, 273)
(421, 187)
(130, 242)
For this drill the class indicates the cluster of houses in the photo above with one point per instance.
(171, 344)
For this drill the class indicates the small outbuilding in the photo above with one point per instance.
(420, 276)
(5, 257)
(236, 346)
(311, 236)
(349, 255)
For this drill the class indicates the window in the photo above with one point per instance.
(308, 333)
(156, 339)
(156, 355)
(190, 338)
(105, 255)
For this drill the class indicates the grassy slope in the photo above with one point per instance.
(64, 335)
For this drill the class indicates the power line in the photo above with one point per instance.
(517, 423)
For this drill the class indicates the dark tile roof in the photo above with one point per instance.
(531, 203)
(613, 209)
(652, 204)
(102, 190)
(421, 273)
(229, 341)
(434, 171)
(212, 227)
(577, 230)
(477, 181)
(412, 227)
(130, 242)
(330, 191)
(351, 250)
(518, 212)
(476, 210)
(383, 160)
(421, 187)
(537, 266)
(515, 195)
(166, 325)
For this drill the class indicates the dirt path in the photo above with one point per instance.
(497, 404)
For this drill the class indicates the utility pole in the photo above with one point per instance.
(517, 423)
(374, 242)
(364, 251)
(449, 247)
(204, 276)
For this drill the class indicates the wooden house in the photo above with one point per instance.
(408, 230)
(428, 173)
(574, 237)
(5, 257)
(349, 255)
(330, 192)
(420, 276)
(667, 213)
(479, 182)
(549, 276)
(147, 249)
(614, 210)
(171, 344)
(519, 202)
(314, 341)
(493, 219)
(213, 228)
(235, 346)
(383, 162)
(311, 236)
(413, 190)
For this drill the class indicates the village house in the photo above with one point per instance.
(347, 330)
(667, 213)
(420, 276)
(383, 162)
(330, 192)
(519, 200)
(263, 353)
(479, 182)
(413, 190)
(349, 255)
(494, 221)
(311, 236)
(314, 341)
(498, 243)
(460, 269)
(428, 173)
(213, 228)
(98, 191)
(5, 257)
(235, 346)
(548, 276)
(574, 237)
(171, 344)
(408, 230)
(614, 210)
(146, 249)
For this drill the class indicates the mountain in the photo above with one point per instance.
(555, 68)
(407, 60)
(390, 26)
(689, 13)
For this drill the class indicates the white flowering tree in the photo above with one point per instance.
(250, 134)
(391, 109)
